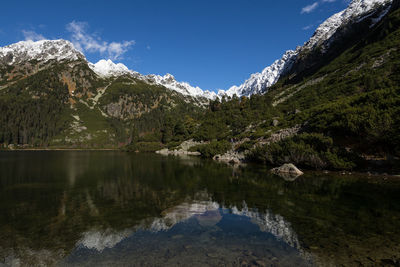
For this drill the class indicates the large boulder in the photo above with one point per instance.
(287, 171)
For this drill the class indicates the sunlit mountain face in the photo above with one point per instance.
(98, 208)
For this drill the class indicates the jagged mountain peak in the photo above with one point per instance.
(357, 10)
(107, 68)
(169, 81)
(258, 82)
(42, 50)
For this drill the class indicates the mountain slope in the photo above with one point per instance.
(345, 115)
(51, 95)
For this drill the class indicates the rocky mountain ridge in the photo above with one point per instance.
(43, 50)
(293, 60)
(63, 50)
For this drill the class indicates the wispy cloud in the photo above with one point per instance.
(308, 27)
(85, 41)
(309, 8)
(32, 36)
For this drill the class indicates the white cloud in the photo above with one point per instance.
(32, 36)
(85, 41)
(328, 1)
(308, 27)
(309, 8)
(148, 47)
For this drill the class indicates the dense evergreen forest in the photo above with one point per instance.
(31, 111)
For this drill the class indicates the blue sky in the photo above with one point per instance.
(210, 44)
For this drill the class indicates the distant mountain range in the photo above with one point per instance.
(293, 62)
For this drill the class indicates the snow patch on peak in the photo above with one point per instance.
(107, 68)
(168, 80)
(357, 10)
(258, 82)
(42, 50)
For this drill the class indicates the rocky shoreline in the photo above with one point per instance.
(182, 149)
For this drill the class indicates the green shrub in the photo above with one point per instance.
(172, 145)
(213, 148)
(309, 150)
(245, 146)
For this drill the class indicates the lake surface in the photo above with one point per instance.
(111, 208)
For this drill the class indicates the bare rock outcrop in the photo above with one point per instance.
(182, 149)
(231, 156)
(287, 171)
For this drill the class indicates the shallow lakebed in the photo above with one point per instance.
(102, 208)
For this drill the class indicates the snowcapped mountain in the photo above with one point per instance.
(258, 82)
(107, 68)
(357, 11)
(43, 50)
(60, 50)
(205, 212)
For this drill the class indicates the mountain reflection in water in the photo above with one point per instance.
(103, 208)
(200, 230)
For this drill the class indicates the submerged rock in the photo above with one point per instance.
(287, 171)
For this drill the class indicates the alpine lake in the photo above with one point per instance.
(111, 208)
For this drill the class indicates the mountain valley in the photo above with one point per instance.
(333, 103)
